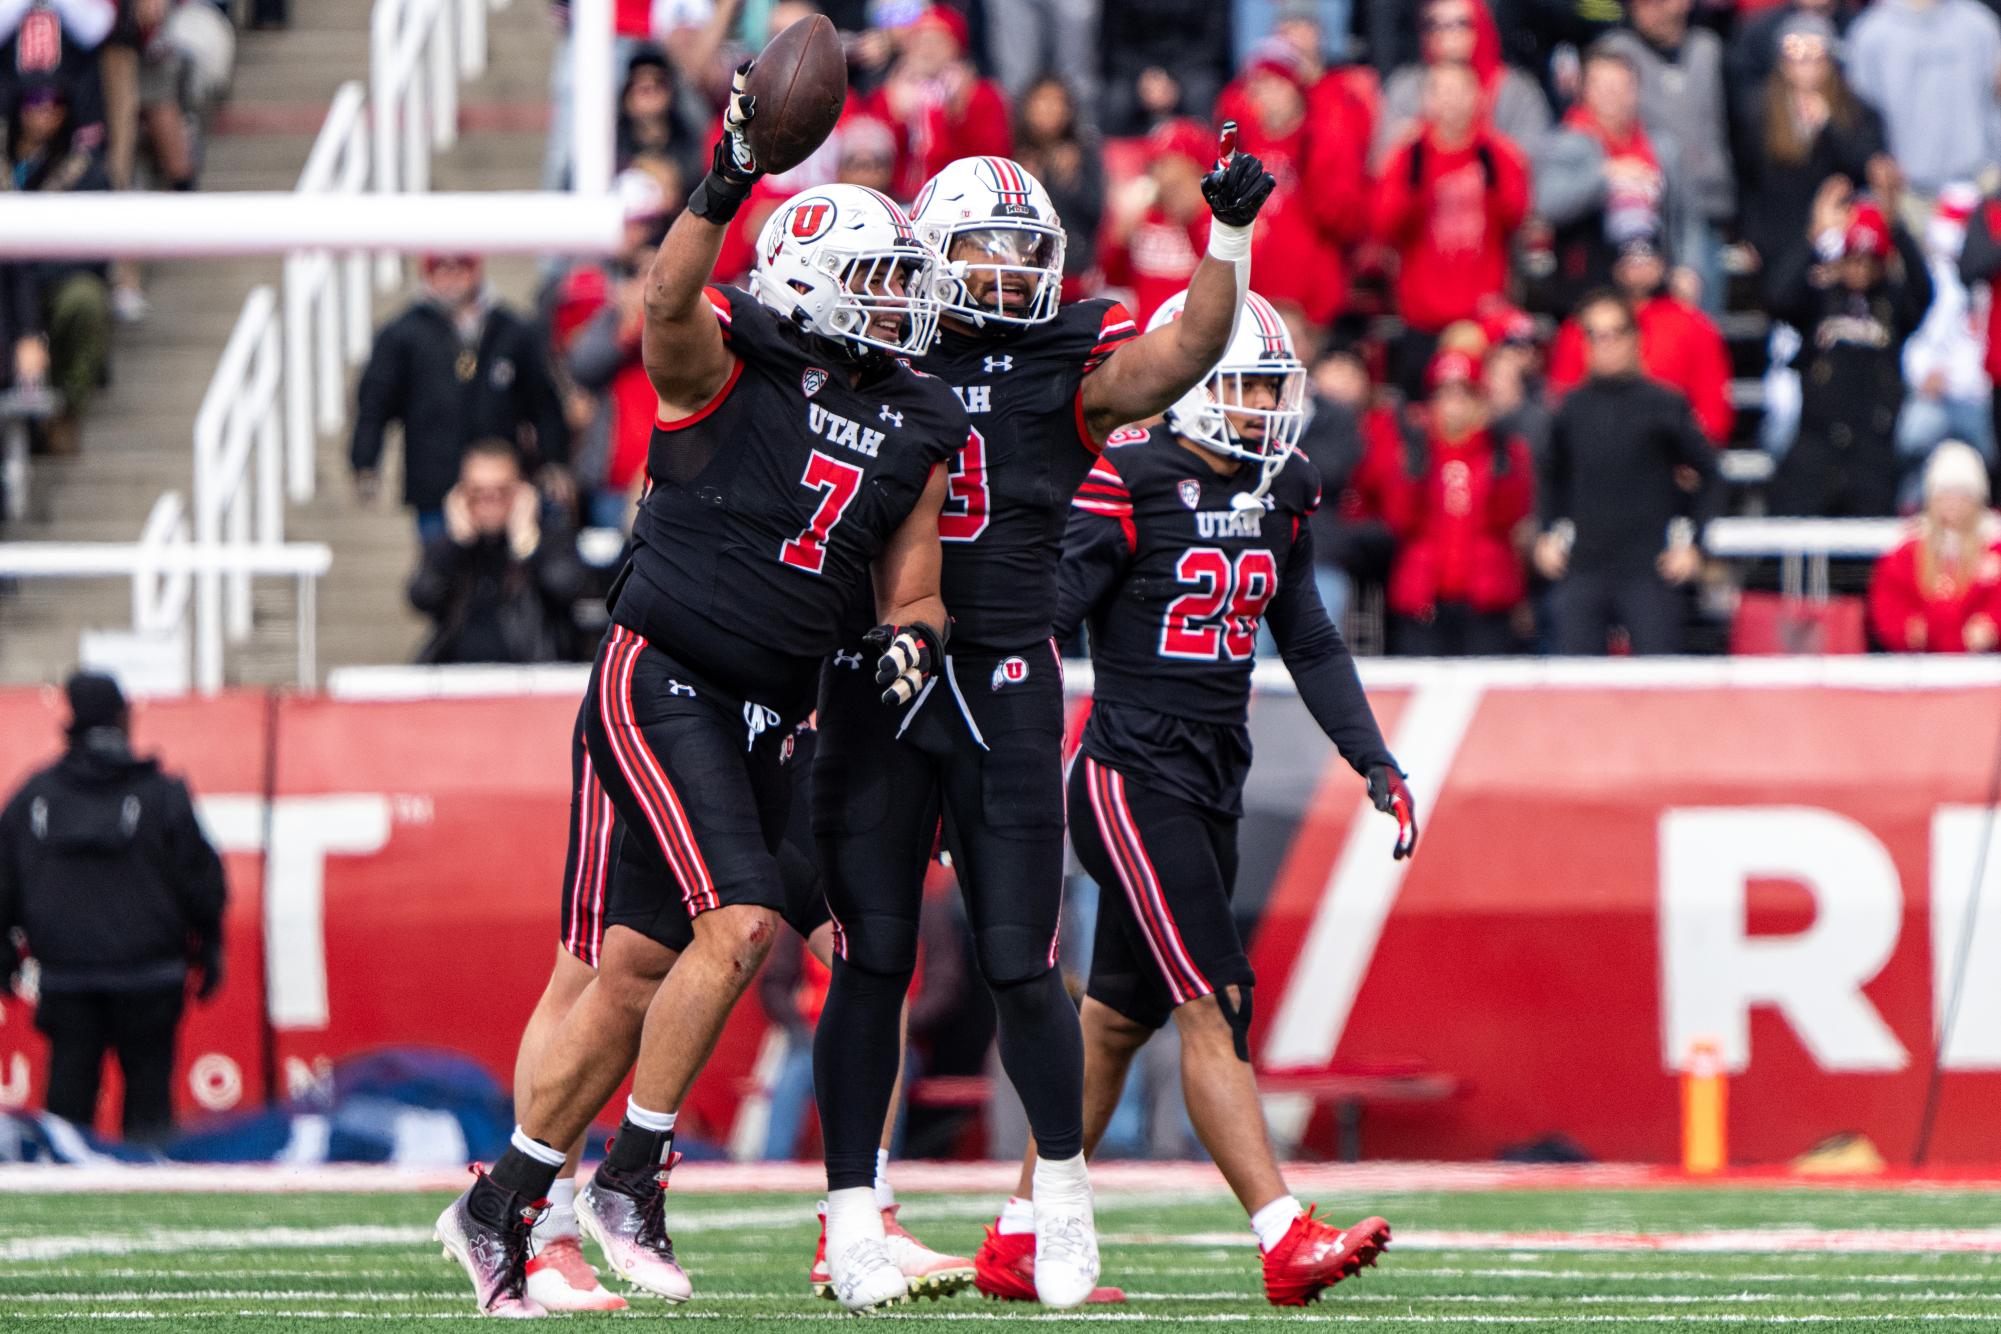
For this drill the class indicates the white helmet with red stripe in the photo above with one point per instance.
(997, 231)
(1253, 405)
(843, 261)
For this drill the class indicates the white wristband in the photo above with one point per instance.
(1229, 244)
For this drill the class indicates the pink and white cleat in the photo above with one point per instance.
(929, 1273)
(626, 1217)
(562, 1280)
(486, 1231)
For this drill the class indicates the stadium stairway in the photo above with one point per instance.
(138, 437)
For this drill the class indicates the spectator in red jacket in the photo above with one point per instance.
(1940, 592)
(1679, 345)
(1459, 571)
(1316, 147)
(936, 102)
(1449, 199)
(1159, 224)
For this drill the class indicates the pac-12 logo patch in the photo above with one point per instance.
(1191, 492)
(812, 381)
(811, 220)
(1010, 672)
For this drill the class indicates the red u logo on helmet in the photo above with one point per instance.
(811, 219)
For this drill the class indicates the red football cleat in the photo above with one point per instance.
(1314, 1257)
(819, 1276)
(1004, 1269)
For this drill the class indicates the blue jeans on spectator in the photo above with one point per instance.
(430, 524)
(1698, 245)
(1253, 21)
(1924, 423)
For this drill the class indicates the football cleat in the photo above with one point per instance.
(626, 1217)
(865, 1278)
(1313, 1256)
(1004, 1270)
(562, 1280)
(486, 1230)
(817, 1277)
(1066, 1255)
(929, 1273)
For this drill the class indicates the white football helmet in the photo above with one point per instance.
(992, 206)
(1260, 349)
(842, 261)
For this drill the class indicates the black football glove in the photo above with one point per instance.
(909, 654)
(1387, 791)
(733, 169)
(1236, 190)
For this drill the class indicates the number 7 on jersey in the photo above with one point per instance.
(837, 482)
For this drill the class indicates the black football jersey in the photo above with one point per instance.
(766, 508)
(1010, 487)
(1174, 581)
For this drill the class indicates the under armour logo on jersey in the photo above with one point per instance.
(679, 688)
(893, 418)
(1010, 672)
(756, 719)
(851, 661)
(812, 381)
(998, 364)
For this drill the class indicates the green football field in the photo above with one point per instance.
(1486, 1260)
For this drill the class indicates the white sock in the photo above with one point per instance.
(885, 1194)
(1062, 1183)
(523, 1142)
(661, 1122)
(1272, 1222)
(851, 1217)
(560, 1219)
(1017, 1217)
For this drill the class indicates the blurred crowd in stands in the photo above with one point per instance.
(1545, 261)
(96, 95)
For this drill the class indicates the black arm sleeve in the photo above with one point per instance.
(1320, 663)
(1095, 557)
(379, 399)
(198, 878)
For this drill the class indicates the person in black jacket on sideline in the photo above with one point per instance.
(498, 584)
(118, 897)
(1625, 486)
(455, 367)
(1856, 288)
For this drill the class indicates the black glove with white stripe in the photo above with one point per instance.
(908, 656)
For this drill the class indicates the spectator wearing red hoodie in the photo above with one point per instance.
(1462, 32)
(1940, 592)
(936, 103)
(1159, 223)
(1459, 571)
(1448, 201)
(1679, 345)
(1315, 147)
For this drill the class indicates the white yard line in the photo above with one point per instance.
(1723, 1241)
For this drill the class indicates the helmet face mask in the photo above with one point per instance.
(1000, 238)
(842, 262)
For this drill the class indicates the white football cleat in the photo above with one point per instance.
(864, 1277)
(928, 1273)
(625, 1217)
(492, 1248)
(1066, 1254)
(562, 1280)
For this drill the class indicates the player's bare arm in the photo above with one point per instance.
(1145, 376)
(683, 346)
(911, 615)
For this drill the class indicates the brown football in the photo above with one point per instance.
(800, 83)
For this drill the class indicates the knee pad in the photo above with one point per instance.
(1012, 954)
(877, 943)
(1237, 1013)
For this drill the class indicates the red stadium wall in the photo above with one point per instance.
(1608, 871)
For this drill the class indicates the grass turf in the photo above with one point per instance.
(248, 1264)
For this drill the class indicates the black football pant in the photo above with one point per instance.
(1587, 604)
(140, 1026)
(980, 754)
